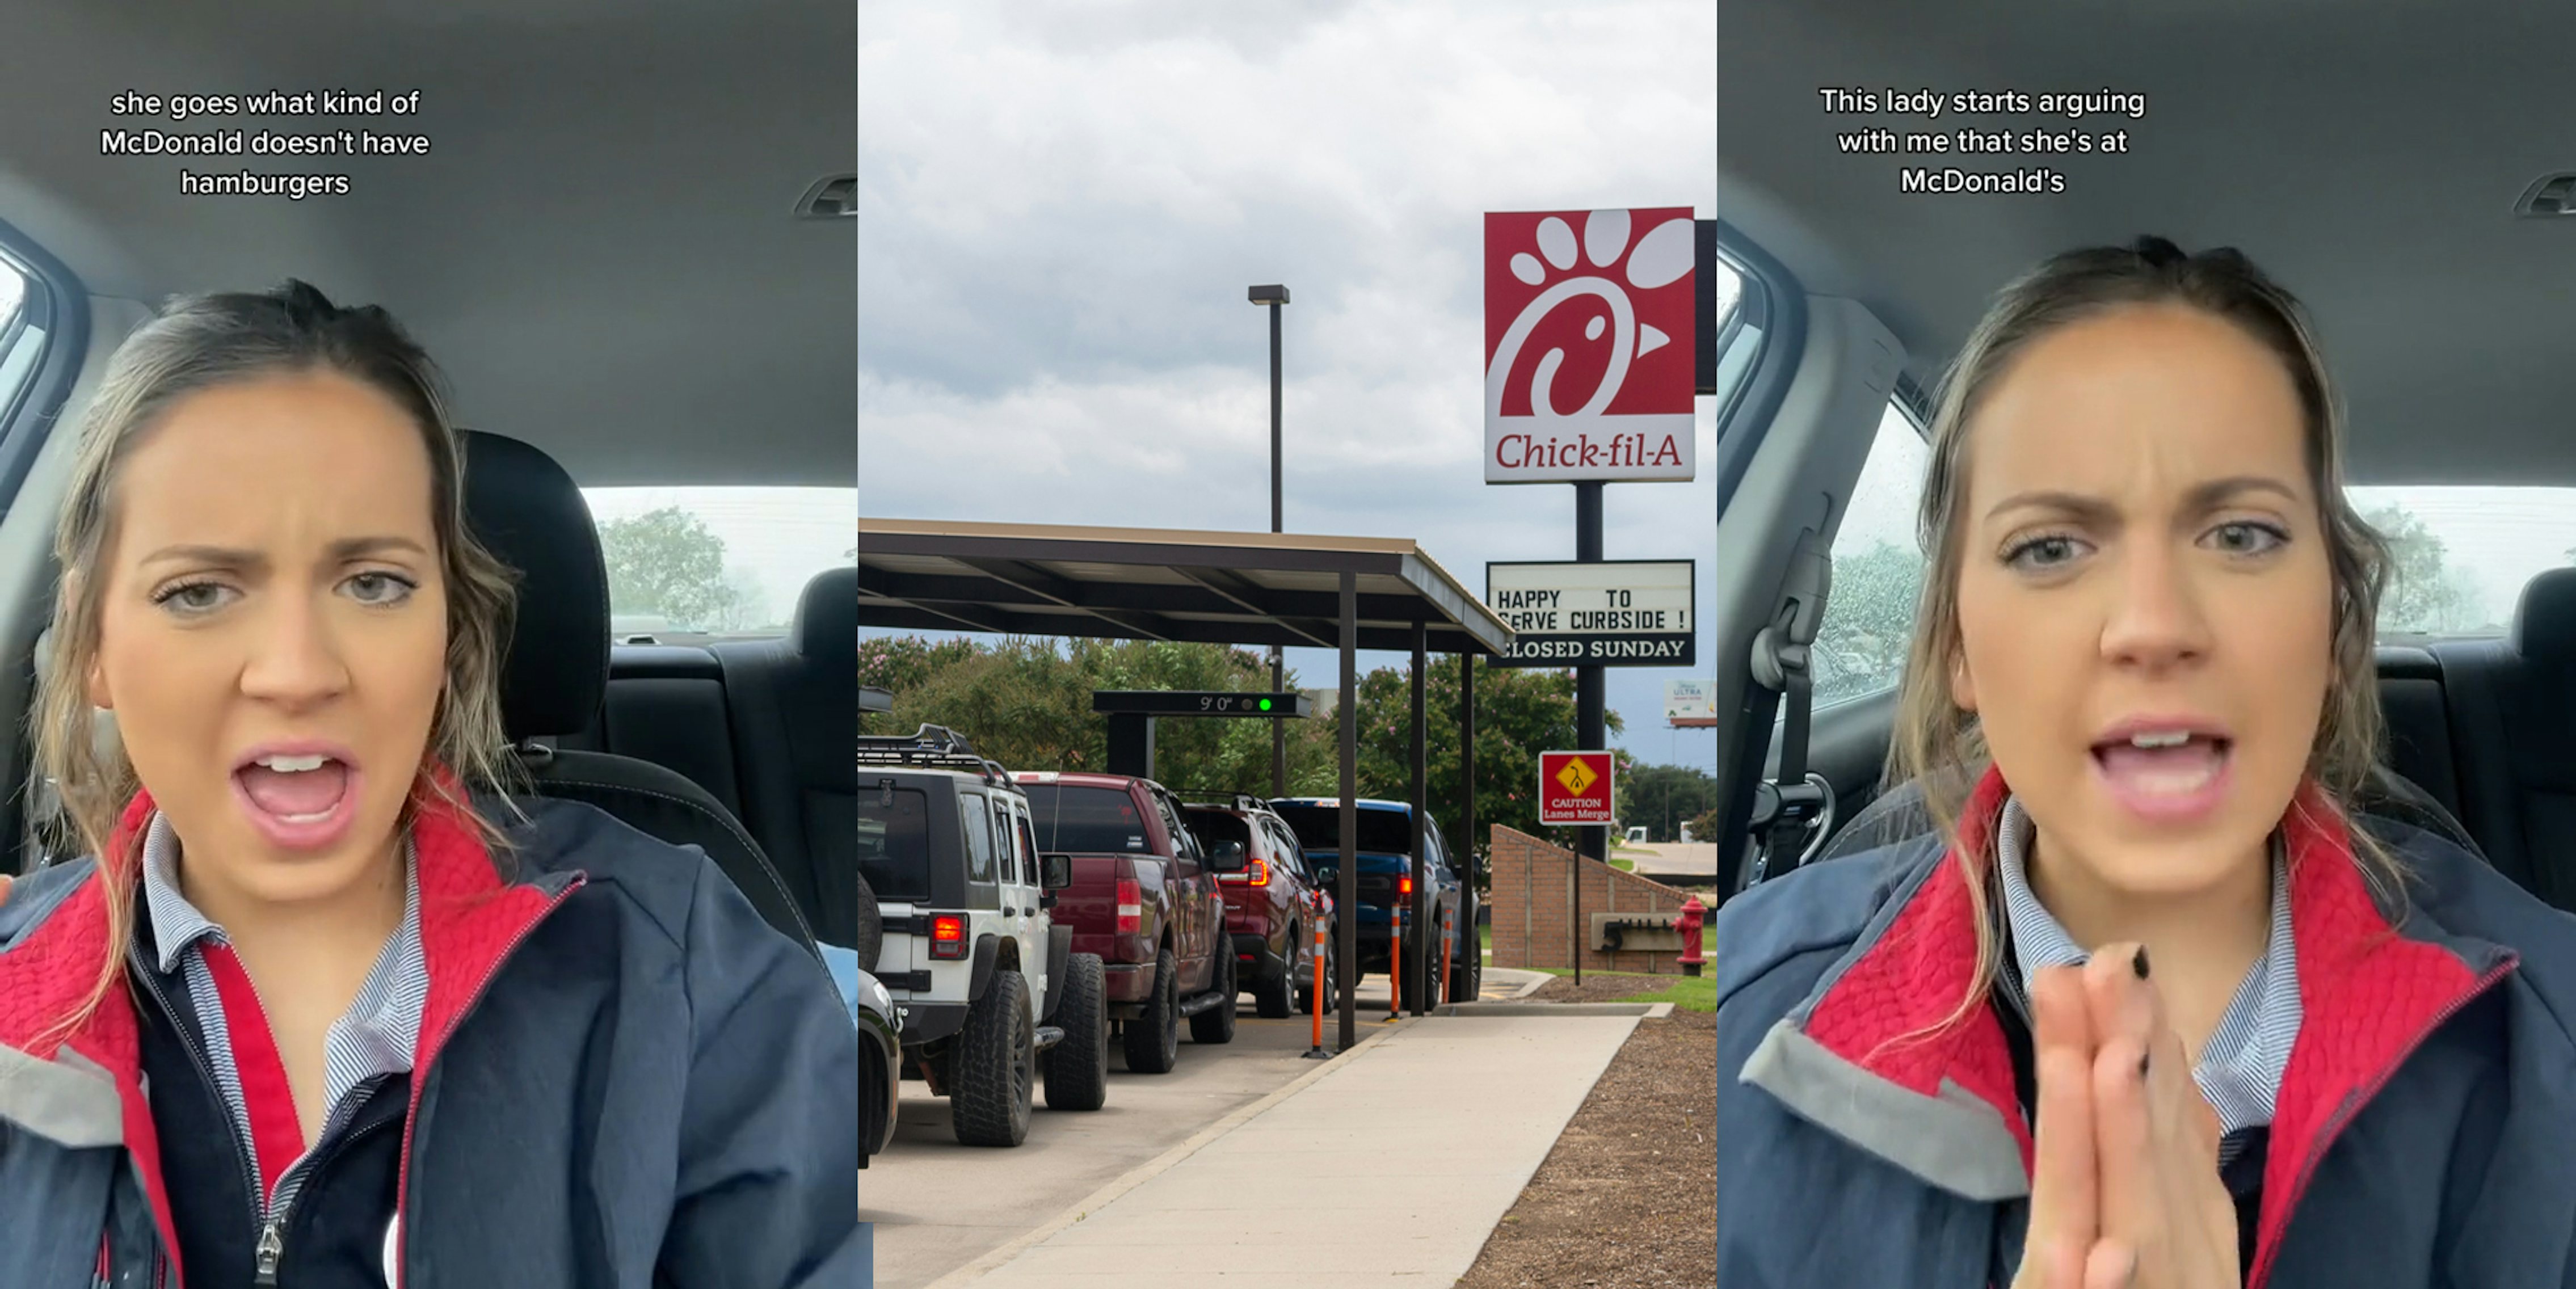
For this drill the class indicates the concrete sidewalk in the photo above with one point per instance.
(1390, 1168)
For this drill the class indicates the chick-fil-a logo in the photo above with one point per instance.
(1589, 345)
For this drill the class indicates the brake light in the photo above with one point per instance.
(1131, 907)
(1258, 874)
(1404, 886)
(947, 936)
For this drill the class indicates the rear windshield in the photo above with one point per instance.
(1214, 826)
(1320, 828)
(894, 843)
(1090, 820)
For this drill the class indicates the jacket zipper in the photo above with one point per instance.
(2369, 1091)
(473, 1000)
(272, 1234)
(206, 1068)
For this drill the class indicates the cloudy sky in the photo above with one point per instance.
(1061, 206)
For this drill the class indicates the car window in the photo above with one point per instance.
(972, 816)
(1085, 819)
(1005, 840)
(1385, 832)
(1028, 848)
(894, 843)
(1285, 846)
(689, 564)
(2461, 555)
(1185, 846)
(1869, 613)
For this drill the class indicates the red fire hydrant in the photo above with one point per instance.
(1692, 915)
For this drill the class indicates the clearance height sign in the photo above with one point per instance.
(1575, 787)
(1609, 613)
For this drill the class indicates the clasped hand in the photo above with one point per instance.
(2125, 1192)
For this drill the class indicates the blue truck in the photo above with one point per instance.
(1385, 861)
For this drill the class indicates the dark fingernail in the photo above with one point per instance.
(2139, 963)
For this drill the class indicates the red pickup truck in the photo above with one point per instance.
(1144, 897)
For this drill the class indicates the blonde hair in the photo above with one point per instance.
(198, 343)
(1939, 745)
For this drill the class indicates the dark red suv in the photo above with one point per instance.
(1272, 907)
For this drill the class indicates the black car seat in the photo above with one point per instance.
(2513, 720)
(794, 707)
(527, 511)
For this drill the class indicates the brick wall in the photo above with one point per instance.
(1532, 913)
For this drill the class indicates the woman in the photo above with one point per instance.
(2155, 1004)
(330, 1009)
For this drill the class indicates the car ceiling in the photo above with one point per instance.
(2368, 153)
(600, 246)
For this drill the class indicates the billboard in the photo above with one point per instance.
(1575, 787)
(1591, 345)
(1599, 613)
(1690, 704)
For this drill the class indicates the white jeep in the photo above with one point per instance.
(991, 993)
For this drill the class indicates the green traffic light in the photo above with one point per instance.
(1265, 704)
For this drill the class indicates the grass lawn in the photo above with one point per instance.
(1685, 993)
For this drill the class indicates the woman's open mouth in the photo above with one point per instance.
(299, 798)
(2168, 776)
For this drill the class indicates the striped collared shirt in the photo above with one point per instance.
(2239, 1071)
(374, 1039)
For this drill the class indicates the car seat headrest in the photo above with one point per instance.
(2544, 623)
(827, 618)
(527, 511)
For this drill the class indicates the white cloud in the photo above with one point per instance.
(1061, 206)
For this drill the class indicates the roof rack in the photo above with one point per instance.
(1231, 800)
(931, 745)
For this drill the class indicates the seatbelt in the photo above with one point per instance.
(1793, 798)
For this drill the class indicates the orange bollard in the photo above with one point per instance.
(1448, 939)
(1319, 986)
(1395, 963)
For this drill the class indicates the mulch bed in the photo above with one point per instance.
(1628, 1197)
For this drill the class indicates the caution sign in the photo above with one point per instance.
(1575, 788)
(1604, 613)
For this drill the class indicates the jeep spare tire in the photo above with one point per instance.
(871, 926)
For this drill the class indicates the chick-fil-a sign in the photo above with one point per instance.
(1589, 345)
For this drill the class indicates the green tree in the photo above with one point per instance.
(2426, 592)
(668, 562)
(1520, 712)
(1662, 797)
(1026, 702)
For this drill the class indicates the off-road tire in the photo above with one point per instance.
(871, 926)
(1153, 1038)
(994, 1067)
(1272, 995)
(1467, 969)
(1077, 1067)
(1216, 1024)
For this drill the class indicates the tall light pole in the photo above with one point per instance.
(1273, 297)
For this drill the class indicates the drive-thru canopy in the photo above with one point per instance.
(1345, 593)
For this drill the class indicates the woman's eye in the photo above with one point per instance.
(2043, 552)
(2247, 538)
(379, 588)
(194, 597)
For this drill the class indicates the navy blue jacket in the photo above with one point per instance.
(2424, 1134)
(625, 1078)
